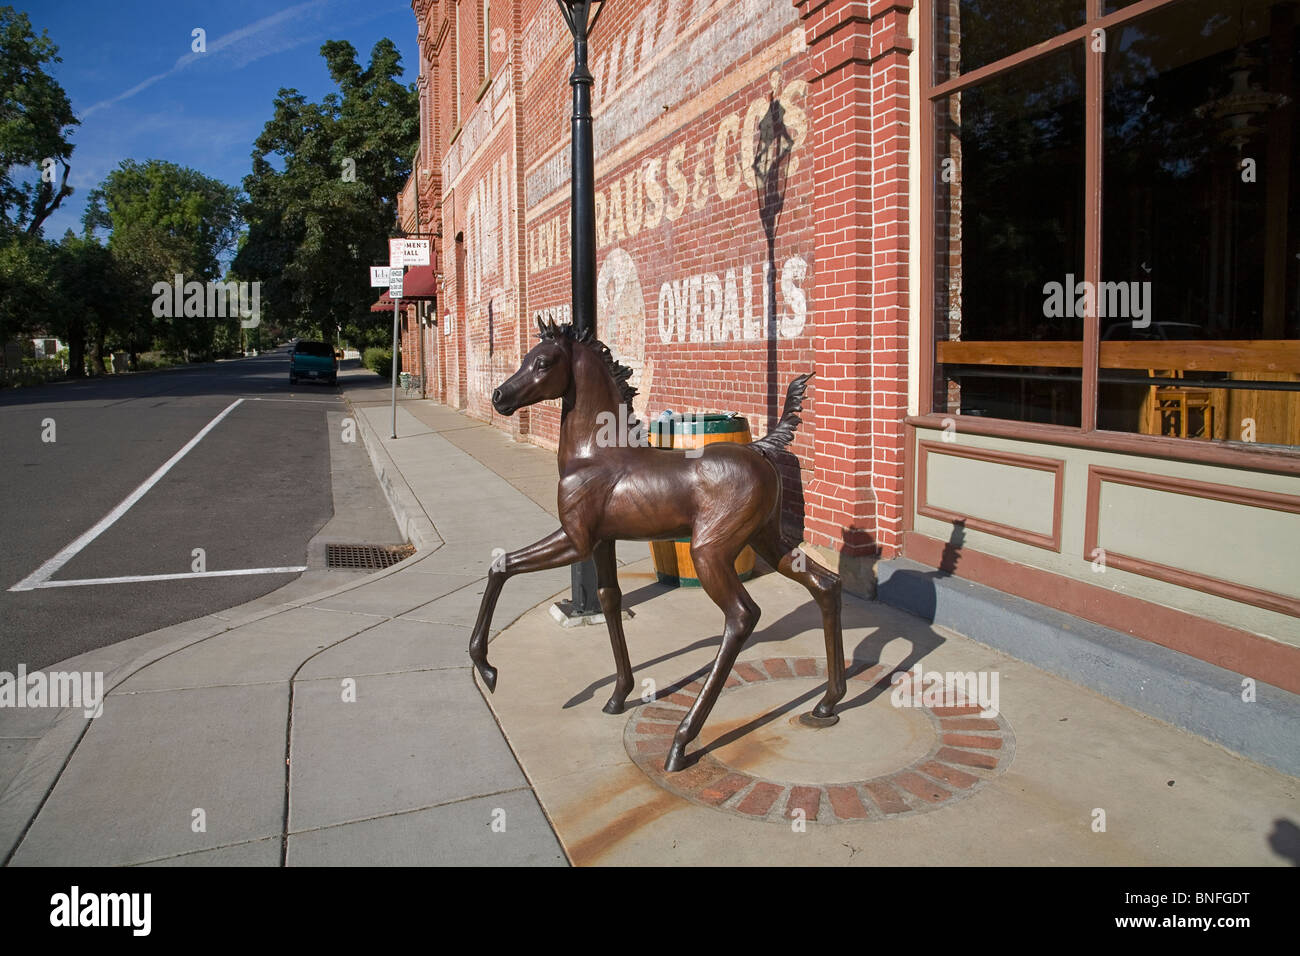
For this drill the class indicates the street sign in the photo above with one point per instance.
(416, 252)
(408, 252)
(395, 283)
(378, 276)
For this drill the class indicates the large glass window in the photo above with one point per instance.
(1117, 217)
(974, 33)
(1199, 221)
(1010, 217)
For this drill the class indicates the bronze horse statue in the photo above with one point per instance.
(723, 497)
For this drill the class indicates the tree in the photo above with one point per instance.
(164, 219)
(35, 116)
(323, 191)
(89, 300)
(26, 271)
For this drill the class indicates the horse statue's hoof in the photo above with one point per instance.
(613, 706)
(489, 675)
(812, 720)
(676, 759)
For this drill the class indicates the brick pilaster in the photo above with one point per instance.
(859, 84)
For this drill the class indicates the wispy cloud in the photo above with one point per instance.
(248, 43)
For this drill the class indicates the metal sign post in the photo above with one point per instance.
(395, 291)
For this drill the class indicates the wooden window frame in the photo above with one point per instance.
(1086, 435)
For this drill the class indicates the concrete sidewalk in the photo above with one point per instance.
(345, 727)
(337, 728)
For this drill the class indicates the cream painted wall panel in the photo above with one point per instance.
(1018, 497)
(1071, 561)
(1221, 539)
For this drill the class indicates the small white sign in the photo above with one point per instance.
(396, 251)
(395, 282)
(415, 252)
(378, 276)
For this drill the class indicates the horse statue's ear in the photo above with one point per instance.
(553, 327)
(541, 326)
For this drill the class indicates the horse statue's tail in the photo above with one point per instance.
(783, 432)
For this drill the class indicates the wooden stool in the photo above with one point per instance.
(1170, 401)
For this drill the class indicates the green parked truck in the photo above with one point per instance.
(312, 360)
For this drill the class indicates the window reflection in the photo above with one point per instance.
(1009, 210)
(970, 34)
(1200, 202)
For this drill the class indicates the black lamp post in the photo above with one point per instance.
(581, 17)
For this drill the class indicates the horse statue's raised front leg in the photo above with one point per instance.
(553, 551)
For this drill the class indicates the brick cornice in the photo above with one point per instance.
(841, 32)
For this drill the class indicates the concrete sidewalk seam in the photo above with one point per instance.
(407, 812)
(206, 849)
(532, 784)
(409, 670)
(288, 735)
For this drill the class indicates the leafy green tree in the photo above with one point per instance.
(163, 220)
(89, 295)
(35, 117)
(26, 274)
(323, 190)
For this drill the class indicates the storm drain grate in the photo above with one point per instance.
(366, 557)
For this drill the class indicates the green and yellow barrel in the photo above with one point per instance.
(672, 559)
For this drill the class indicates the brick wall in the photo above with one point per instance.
(751, 180)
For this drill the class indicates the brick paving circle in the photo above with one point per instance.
(968, 751)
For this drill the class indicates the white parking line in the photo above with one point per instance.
(41, 575)
(300, 401)
(135, 578)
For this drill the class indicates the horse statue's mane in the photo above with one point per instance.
(620, 373)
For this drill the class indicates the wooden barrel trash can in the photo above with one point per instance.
(672, 559)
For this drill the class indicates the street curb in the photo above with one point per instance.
(412, 520)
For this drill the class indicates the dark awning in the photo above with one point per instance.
(421, 283)
(383, 304)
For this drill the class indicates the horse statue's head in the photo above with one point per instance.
(548, 370)
(545, 372)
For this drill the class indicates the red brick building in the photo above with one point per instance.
(780, 181)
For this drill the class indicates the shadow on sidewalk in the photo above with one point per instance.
(866, 655)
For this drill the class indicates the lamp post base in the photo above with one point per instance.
(565, 614)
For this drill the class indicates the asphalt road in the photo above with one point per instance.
(251, 493)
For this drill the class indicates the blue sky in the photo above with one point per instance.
(141, 93)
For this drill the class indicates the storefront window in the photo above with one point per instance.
(1010, 219)
(974, 33)
(1200, 217)
(1126, 260)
